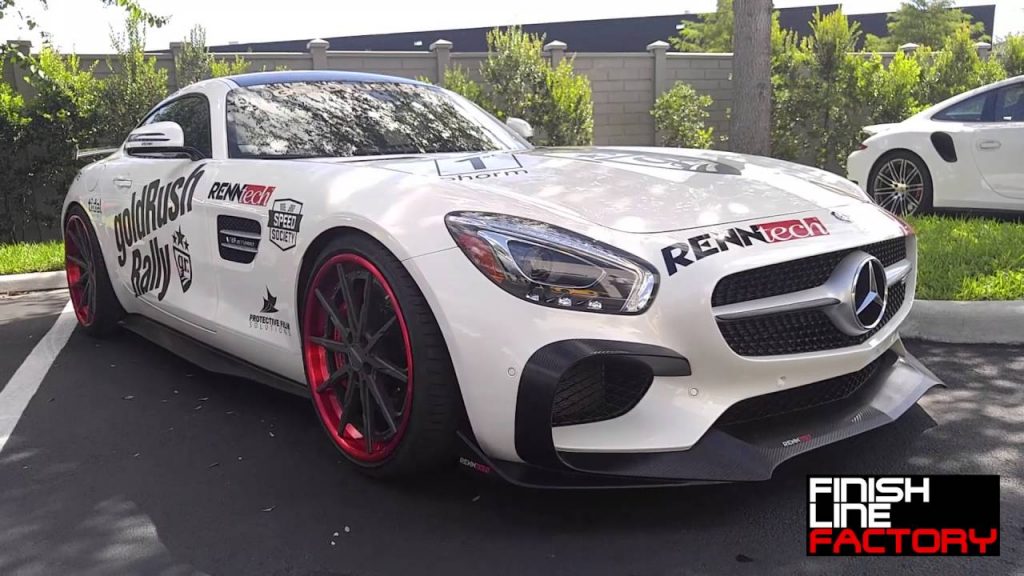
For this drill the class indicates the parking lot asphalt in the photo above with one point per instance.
(129, 460)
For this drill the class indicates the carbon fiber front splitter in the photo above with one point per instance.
(737, 453)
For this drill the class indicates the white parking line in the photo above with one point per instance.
(20, 389)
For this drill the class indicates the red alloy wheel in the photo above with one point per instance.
(358, 358)
(79, 264)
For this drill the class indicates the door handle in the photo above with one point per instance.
(123, 182)
(989, 145)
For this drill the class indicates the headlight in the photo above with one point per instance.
(551, 266)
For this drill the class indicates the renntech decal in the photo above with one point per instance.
(95, 206)
(903, 515)
(285, 222)
(151, 209)
(263, 321)
(182, 260)
(704, 245)
(248, 194)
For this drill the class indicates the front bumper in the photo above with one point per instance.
(728, 452)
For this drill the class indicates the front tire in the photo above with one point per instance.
(378, 368)
(96, 306)
(901, 183)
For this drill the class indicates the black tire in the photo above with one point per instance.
(96, 306)
(428, 439)
(901, 183)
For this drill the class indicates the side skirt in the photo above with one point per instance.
(207, 357)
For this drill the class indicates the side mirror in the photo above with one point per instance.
(520, 127)
(163, 138)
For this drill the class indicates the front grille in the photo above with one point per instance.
(796, 275)
(802, 397)
(799, 332)
(599, 389)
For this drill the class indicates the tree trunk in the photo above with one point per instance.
(750, 125)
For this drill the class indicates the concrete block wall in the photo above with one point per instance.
(624, 85)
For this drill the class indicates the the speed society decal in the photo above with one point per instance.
(285, 222)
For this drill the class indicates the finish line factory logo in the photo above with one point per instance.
(264, 322)
(945, 515)
(154, 207)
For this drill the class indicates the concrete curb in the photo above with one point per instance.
(966, 322)
(934, 320)
(33, 282)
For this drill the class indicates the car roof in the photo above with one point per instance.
(292, 76)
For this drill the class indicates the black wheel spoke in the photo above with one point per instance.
(78, 262)
(364, 304)
(387, 368)
(372, 341)
(385, 409)
(346, 333)
(333, 378)
(347, 296)
(346, 405)
(83, 280)
(364, 400)
(332, 345)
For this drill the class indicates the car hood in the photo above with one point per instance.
(641, 190)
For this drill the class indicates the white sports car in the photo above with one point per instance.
(966, 152)
(561, 317)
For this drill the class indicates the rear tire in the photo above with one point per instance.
(96, 306)
(376, 361)
(901, 183)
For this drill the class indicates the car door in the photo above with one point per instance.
(162, 254)
(999, 143)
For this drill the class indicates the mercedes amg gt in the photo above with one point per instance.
(445, 292)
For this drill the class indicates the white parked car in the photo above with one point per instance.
(570, 317)
(966, 152)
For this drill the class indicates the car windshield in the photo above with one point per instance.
(341, 119)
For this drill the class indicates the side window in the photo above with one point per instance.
(1010, 104)
(970, 110)
(192, 113)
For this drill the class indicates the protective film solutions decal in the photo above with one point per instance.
(247, 194)
(704, 245)
(285, 222)
(265, 321)
(939, 515)
(156, 205)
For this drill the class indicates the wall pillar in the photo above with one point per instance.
(442, 50)
(557, 51)
(318, 52)
(172, 74)
(984, 49)
(659, 51)
(14, 72)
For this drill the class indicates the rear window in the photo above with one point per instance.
(338, 119)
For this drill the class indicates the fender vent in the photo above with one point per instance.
(944, 146)
(599, 388)
(238, 239)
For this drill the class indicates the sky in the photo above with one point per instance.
(84, 26)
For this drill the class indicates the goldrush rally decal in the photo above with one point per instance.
(148, 211)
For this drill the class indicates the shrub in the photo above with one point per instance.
(1010, 54)
(43, 136)
(518, 82)
(194, 62)
(956, 69)
(135, 86)
(680, 114)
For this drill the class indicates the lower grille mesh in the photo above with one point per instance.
(599, 389)
(802, 397)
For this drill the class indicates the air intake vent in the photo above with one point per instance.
(238, 239)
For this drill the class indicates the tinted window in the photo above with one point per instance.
(310, 119)
(970, 110)
(1010, 104)
(192, 113)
